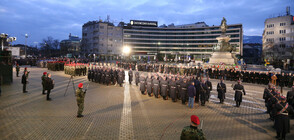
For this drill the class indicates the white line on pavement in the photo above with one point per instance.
(126, 123)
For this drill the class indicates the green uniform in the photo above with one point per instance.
(192, 133)
(80, 94)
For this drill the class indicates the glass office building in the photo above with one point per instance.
(193, 41)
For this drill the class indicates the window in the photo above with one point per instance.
(282, 38)
(282, 31)
(110, 39)
(270, 25)
(101, 27)
(270, 32)
(282, 24)
(282, 46)
(269, 40)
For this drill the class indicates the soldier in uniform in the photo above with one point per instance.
(192, 132)
(49, 85)
(17, 70)
(184, 86)
(282, 81)
(163, 88)
(137, 77)
(43, 78)
(149, 85)
(203, 92)
(209, 86)
(155, 82)
(120, 78)
(107, 77)
(221, 90)
(238, 93)
(178, 83)
(197, 86)
(142, 84)
(173, 89)
(267, 95)
(80, 94)
(282, 121)
(130, 76)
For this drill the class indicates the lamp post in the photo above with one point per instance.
(126, 50)
(26, 36)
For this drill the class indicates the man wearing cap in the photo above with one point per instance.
(43, 78)
(209, 86)
(80, 94)
(17, 70)
(183, 91)
(192, 132)
(203, 92)
(282, 121)
(238, 93)
(221, 90)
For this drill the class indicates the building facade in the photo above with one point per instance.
(102, 39)
(278, 39)
(193, 41)
(72, 46)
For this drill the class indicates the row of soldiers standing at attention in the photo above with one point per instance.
(216, 72)
(76, 69)
(280, 109)
(106, 75)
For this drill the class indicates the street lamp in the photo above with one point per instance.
(126, 50)
(26, 36)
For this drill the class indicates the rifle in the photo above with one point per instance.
(201, 124)
(87, 87)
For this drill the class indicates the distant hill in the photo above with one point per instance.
(252, 39)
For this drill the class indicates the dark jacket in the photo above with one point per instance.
(191, 91)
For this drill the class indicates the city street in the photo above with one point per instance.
(113, 112)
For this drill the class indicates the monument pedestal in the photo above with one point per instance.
(222, 57)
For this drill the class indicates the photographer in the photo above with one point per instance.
(49, 84)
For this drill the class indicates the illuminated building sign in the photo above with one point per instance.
(143, 23)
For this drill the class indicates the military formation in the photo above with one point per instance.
(280, 109)
(106, 75)
(76, 69)
(55, 65)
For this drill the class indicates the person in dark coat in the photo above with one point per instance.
(282, 81)
(163, 88)
(107, 77)
(173, 89)
(197, 86)
(149, 85)
(49, 86)
(209, 86)
(24, 81)
(203, 92)
(184, 86)
(142, 84)
(178, 83)
(155, 85)
(282, 121)
(130, 76)
(191, 94)
(238, 93)
(221, 91)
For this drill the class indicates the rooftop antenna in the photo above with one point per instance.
(108, 18)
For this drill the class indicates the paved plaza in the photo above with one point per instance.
(113, 112)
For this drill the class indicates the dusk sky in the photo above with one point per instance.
(58, 18)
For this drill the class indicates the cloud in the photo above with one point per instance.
(57, 18)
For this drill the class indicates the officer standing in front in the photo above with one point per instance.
(282, 121)
(192, 132)
(221, 90)
(238, 93)
(80, 94)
